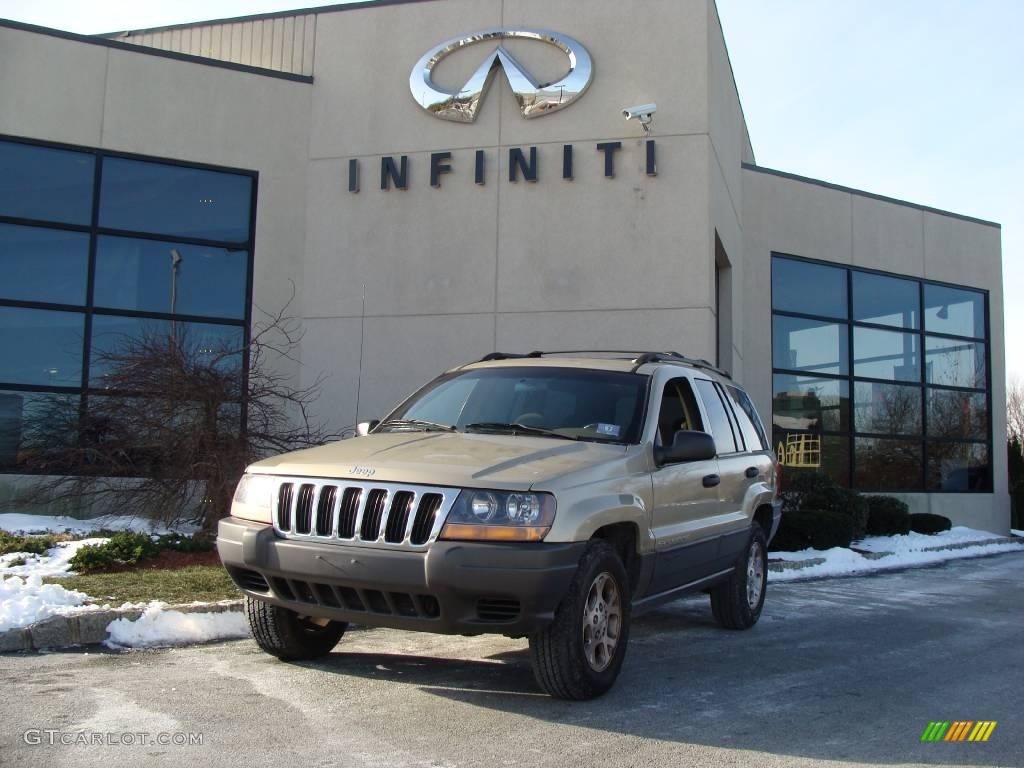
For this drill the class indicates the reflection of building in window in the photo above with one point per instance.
(800, 451)
(802, 410)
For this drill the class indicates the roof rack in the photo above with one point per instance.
(639, 358)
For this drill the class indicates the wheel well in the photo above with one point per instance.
(763, 517)
(623, 537)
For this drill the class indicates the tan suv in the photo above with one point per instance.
(552, 496)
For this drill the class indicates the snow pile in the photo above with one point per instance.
(158, 627)
(907, 551)
(54, 563)
(26, 601)
(19, 523)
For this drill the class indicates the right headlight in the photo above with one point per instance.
(499, 516)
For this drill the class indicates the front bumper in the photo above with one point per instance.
(453, 587)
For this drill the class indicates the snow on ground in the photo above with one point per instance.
(24, 601)
(56, 561)
(907, 552)
(21, 523)
(1015, 532)
(159, 627)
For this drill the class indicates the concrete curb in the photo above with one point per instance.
(778, 566)
(90, 627)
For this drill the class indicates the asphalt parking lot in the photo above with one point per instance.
(843, 672)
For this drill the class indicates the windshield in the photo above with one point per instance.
(573, 403)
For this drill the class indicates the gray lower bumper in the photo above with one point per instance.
(453, 587)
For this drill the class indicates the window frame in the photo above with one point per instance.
(87, 308)
(924, 387)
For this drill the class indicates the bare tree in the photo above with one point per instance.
(1015, 410)
(176, 424)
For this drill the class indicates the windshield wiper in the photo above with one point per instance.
(421, 424)
(526, 429)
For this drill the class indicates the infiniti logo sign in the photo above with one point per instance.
(535, 99)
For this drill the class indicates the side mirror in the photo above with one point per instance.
(686, 446)
(363, 427)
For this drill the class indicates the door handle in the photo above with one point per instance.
(751, 472)
(710, 481)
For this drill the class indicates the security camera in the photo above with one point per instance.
(643, 113)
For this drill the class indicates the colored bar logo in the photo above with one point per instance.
(959, 730)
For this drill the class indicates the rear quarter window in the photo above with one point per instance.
(750, 424)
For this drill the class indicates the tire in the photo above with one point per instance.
(737, 602)
(289, 636)
(565, 664)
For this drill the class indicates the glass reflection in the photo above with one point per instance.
(957, 415)
(811, 289)
(802, 452)
(886, 300)
(33, 424)
(42, 347)
(809, 345)
(807, 402)
(954, 311)
(954, 363)
(40, 264)
(886, 355)
(45, 183)
(887, 409)
(887, 465)
(958, 467)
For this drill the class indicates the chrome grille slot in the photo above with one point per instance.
(398, 517)
(360, 513)
(348, 513)
(423, 523)
(325, 510)
(376, 502)
(304, 508)
(284, 506)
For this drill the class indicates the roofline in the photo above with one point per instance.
(148, 51)
(261, 16)
(872, 195)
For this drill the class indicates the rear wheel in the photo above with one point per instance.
(579, 655)
(288, 635)
(737, 602)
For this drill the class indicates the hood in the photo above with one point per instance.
(515, 462)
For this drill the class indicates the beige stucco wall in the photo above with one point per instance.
(802, 218)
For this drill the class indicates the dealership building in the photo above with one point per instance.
(424, 182)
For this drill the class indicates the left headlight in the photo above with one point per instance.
(499, 516)
(253, 498)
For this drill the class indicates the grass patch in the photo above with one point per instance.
(180, 585)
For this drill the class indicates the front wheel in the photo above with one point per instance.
(288, 635)
(579, 655)
(737, 602)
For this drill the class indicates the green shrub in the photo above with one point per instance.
(16, 561)
(925, 522)
(887, 516)
(814, 490)
(813, 529)
(123, 548)
(179, 543)
(35, 545)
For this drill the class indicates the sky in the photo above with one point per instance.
(921, 100)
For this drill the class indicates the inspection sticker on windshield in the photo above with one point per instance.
(611, 430)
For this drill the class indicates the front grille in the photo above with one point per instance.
(361, 513)
(414, 606)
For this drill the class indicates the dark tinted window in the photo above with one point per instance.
(807, 402)
(809, 345)
(803, 452)
(746, 417)
(157, 276)
(720, 426)
(886, 355)
(41, 347)
(886, 300)
(35, 422)
(887, 465)
(174, 200)
(953, 363)
(812, 289)
(887, 409)
(45, 183)
(954, 311)
(38, 264)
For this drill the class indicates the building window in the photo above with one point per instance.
(98, 247)
(880, 381)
